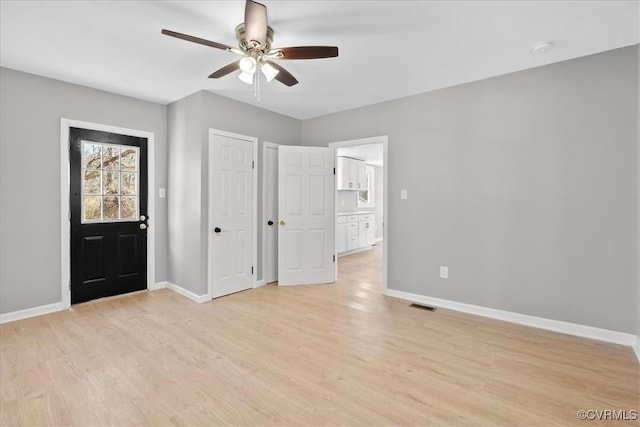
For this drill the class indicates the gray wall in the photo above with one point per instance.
(184, 193)
(524, 185)
(30, 112)
(189, 121)
(638, 200)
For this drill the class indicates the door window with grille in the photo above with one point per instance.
(110, 182)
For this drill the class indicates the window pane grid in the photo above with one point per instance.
(110, 184)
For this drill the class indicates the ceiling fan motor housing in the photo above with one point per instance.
(248, 45)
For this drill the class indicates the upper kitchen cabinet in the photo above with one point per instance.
(352, 174)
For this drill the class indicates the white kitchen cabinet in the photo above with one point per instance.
(366, 229)
(355, 231)
(343, 175)
(352, 232)
(351, 174)
(362, 234)
(371, 233)
(341, 234)
(362, 176)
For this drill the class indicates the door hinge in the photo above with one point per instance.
(251, 269)
(334, 258)
(69, 215)
(334, 171)
(253, 164)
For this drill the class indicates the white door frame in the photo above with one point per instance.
(65, 212)
(265, 145)
(384, 140)
(254, 211)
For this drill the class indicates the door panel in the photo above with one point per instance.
(108, 195)
(306, 237)
(232, 217)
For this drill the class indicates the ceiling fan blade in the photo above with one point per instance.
(306, 52)
(283, 76)
(229, 68)
(196, 40)
(255, 22)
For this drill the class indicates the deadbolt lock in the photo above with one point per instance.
(142, 217)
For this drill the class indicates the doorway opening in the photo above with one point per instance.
(361, 206)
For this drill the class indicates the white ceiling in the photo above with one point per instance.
(388, 49)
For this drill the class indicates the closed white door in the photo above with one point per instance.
(231, 221)
(270, 213)
(306, 227)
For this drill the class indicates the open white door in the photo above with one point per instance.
(231, 219)
(306, 226)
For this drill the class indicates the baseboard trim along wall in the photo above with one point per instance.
(636, 347)
(31, 312)
(523, 319)
(185, 293)
(259, 283)
(159, 285)
(52, 308)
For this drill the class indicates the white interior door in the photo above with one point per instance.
(270, 213)
(306, 228)
(231, 225)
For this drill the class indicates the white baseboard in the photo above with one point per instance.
(158, 285)
(185, 293)
(31, 312)
(58, 306)
(259, 283)
(522, 319)
(379, 239)
(636, 347)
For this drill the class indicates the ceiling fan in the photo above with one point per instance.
(254, 39)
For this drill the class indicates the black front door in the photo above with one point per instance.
(108, 200)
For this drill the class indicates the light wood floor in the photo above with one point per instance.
(339, 354)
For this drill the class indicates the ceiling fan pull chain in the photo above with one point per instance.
(256, 86)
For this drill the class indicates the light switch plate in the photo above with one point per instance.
(162, 193)
(403, 194)
(444, 272)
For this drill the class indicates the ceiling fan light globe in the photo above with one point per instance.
(269, 71)
(246, 77)
(248, 65)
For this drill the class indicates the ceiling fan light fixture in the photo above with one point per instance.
(269, 71)
(246, 77)
(248, 65)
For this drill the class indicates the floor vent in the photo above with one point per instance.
(424, 307)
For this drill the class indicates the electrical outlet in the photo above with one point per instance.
(403, 194)
(444, 272)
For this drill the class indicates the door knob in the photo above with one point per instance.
(217, 229)
(143, 226)
(282, 223)
(269, 222)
